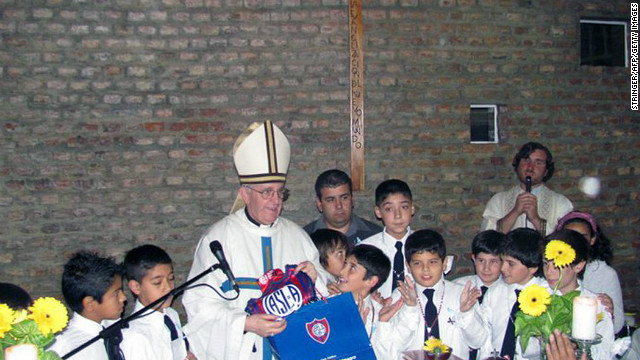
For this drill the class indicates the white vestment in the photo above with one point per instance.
(551, 207)
(216, 326)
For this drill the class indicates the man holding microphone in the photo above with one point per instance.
(530, 203)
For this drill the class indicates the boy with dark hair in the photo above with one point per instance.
(521, 255)
(332, 247)
(366, 266)
(394, 205)
(486, 260)
(149, 272)
(92, 288)
(334, 201)
(14, 296)
(448, 309)
(567, 278)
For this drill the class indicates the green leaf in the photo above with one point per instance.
(47, 355)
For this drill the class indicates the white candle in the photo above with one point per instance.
(585, 310)
(21, 352)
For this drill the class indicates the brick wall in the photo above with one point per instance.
(118, 117)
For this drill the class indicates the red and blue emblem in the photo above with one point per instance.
(319, 330)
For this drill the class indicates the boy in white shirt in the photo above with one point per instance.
(92, 288)
(487, 263)
(394, 205)
(521, 266)
(448, 310)
(149, 271)
(361, 275)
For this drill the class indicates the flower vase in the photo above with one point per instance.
(543, 347)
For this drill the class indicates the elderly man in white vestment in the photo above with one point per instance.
(255, 239)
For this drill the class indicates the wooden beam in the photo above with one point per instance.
(356, 87)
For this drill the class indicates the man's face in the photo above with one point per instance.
(535, 166)
(335, 205)
(264, 211)
(487, 267)
(515, 272)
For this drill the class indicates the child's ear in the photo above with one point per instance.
(378, 213)
(413, 210)
(372, 281)
(533, 270)
(134, 286)
(579, 266)
(88, 303)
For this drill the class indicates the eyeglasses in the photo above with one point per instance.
(268, 193)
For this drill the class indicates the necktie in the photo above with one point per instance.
(473, 354)
(171, 326)
(484, 291)
(509, 342)
(398, 266)
(112, 340)
(430, 316)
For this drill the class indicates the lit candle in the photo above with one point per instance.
(585, 310)
(21, 352)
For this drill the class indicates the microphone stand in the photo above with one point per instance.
(118, 325)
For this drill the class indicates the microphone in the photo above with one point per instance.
(527, 183)
(216, 249)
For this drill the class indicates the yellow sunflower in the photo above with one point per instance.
(49, 314)
(534, 300)
(435, 346)
(6, 319)
(561, 253)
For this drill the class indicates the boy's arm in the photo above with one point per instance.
(470, 321)
(392, 337)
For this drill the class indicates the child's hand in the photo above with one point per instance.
(364, 311)
(469, 297)
(378, 297)
(389, 310)
(333, 288)
(408, 291)
(190, 356)
(606, 302)
(308, 268)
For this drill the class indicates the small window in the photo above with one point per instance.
(484, 124)
(603, 42)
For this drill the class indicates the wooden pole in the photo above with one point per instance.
(356, 72)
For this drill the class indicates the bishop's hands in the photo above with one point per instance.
(265, 324)
(469, 296)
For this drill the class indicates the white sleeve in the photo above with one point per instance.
(215, 327)
(472, 327)
(391, 338)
